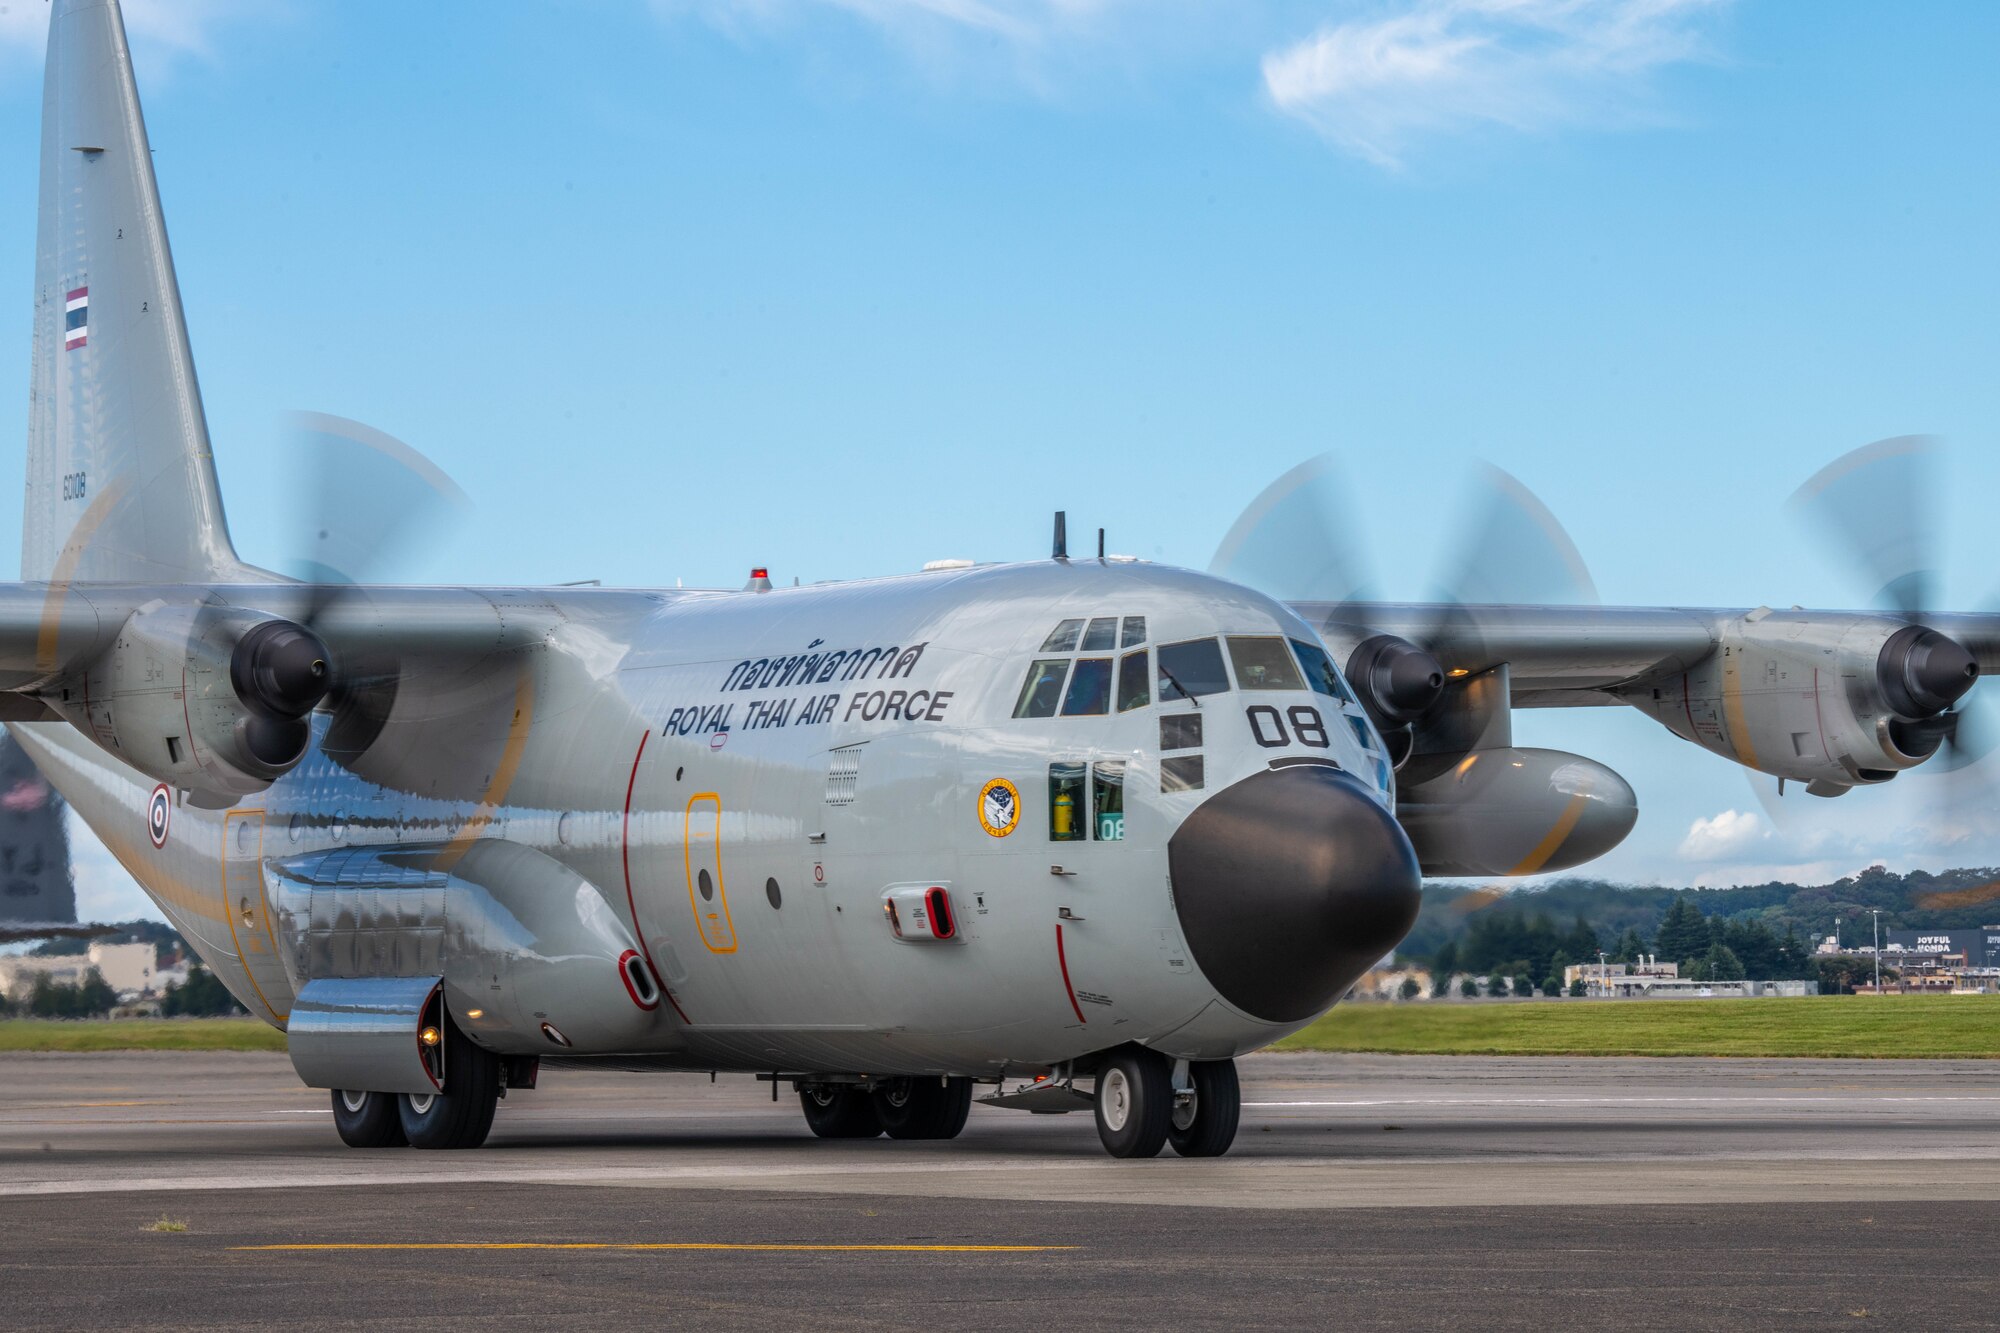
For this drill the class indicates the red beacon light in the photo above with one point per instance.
(760, 580)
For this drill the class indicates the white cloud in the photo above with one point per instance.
(1721, 835)
(1373, 86)
(159, 29)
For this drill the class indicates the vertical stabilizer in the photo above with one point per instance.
(121, 483)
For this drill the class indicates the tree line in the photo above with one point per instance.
(1529, 951)
(202, 995)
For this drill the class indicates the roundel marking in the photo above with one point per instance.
(999, 807)
(159, 814)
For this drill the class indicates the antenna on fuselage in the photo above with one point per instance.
(1100, 543)
(1062, 535)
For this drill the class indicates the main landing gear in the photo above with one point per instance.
(1146, 1101)
(902, 1108)
(459, 1116)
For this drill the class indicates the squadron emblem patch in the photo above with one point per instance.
(999, 807)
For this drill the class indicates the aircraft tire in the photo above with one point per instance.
(1218, 1105)
(462, 1115)
(839, 1111)
(1135, 1102)
(923, 1108)
(368, 1119)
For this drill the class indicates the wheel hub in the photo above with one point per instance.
(1114, 1097)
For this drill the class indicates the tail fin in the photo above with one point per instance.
(121, 483)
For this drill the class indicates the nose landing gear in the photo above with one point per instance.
(1203, 1123)
(1145, 1102)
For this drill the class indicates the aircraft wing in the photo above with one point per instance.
(422, 689)
(1569, 656)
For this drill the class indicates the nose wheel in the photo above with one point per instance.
(1203, 1123)
(1140, 1110)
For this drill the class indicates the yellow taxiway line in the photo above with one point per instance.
(661, 1245)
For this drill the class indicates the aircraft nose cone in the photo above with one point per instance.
(1290, 884)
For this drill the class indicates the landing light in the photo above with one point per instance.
(429, 1036)
(1456, 672)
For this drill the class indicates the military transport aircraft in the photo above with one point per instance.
(1102, 825)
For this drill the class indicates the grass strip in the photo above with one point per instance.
(1884, 1027)
(139, 1034)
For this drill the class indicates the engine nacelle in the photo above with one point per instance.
(211, 700)
(1515, 811)
(1832, 701)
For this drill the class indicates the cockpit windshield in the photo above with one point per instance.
(1191, 669)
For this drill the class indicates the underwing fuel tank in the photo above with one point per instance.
(1514, 811)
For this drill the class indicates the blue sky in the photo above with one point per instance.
(841, 286)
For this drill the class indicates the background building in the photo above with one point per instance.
(130, 969)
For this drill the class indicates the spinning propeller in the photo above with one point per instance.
(1298, 542)
(1876, 509)
(367, 503)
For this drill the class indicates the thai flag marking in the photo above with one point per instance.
(76, 319)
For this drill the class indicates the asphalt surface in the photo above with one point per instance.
(1364, 1192)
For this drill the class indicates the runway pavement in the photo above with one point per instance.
(1364, 1192)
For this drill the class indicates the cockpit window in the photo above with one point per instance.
(1041, 690)
(1263, 663)
(1191, 668)
(1089, 688)
(1062, 639)
(1135, 632)
(1321, 674)
(1101, 635)
(1135, 682)
(1107, 799)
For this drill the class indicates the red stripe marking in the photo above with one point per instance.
(186, 721)
(625, 849)
(1819, 721)
(1062, 959)
(81, 291)
(625, 857)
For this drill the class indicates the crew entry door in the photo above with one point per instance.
(708, 894)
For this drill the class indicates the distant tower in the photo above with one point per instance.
(35, 881)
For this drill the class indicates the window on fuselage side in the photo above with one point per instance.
(1042, 689)
(1107, 800)
(1067, 814)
